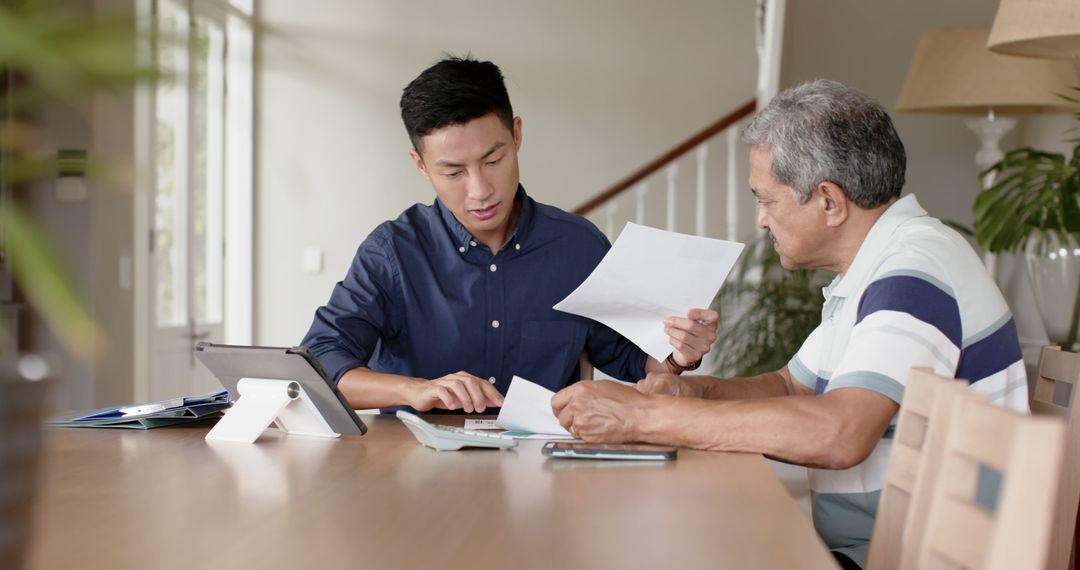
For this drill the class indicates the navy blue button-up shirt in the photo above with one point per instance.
(424, 299)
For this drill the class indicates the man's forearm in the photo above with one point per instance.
(827, 432)
(797, 434)
(364, 388)
(768, 385)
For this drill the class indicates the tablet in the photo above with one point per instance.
(629, 451)
(232, 363)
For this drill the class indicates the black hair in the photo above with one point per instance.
(454, 91)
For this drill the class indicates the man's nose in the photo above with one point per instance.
(480, 188)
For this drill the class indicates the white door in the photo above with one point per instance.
(187, 283)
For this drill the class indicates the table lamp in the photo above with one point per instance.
(953, 73)
(1037, 28)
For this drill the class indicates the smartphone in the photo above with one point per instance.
(631, 451)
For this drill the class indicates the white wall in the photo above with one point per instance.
(869, 45)
(70, 227)
(603, 86)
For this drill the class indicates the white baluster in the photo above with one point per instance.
(609, 220)
(672, 173)
(732, 184)
(642, 190)
(702, 155)
(771, 16)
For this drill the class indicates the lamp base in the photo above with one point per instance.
(990, 130)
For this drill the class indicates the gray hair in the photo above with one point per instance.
(823, 130)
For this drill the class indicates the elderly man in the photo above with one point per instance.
(827, 169)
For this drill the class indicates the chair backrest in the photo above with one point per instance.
(992, 505)
(1054, 395)
(916, 451)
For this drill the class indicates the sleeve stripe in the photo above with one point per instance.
(920, 275)
(801, 373)
(991, 354)
(1006, 388)
(983, 334)
(933, 349)
(873, 381)
(916, 297)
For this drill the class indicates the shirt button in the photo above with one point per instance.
(494, 324)
(461, 249)
(492, 380)
(493, 268)
(472, 243)
(517, 246)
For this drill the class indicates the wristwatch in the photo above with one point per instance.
(677, 368)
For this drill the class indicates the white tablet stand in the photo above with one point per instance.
(265, 400)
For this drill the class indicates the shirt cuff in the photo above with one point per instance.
(800, 372)
(872, 381)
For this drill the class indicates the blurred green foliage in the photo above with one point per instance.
(53, 55)
(766, 312)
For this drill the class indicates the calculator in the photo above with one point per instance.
(449, 438)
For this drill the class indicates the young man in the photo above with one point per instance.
(445, 304)
(827, 168)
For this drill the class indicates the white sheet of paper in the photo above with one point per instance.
(527, 407)
(649, 275)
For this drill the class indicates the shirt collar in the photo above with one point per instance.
(466, 241)
(877, 239)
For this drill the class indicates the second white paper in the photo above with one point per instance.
(527, 407)
(648, 275)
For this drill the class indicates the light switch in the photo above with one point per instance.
(313, 260)
(70, 182)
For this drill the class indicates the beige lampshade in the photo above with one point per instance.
(953, 73)
(1037, 28)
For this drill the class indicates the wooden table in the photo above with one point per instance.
(167, 499)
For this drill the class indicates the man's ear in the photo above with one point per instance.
(834, 203)
(419, 162)
(517, 133)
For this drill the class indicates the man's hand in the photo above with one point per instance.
(599, 411)
(693, 336)
(672, 385)
(460, 390)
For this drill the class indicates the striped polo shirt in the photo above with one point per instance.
(915, 295)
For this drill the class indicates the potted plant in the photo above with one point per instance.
(1033, 207)
(766, 312)
(48, 55)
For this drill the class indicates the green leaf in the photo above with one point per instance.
(1036, 192)
(766, 312)
(38, 271)
(63, 54)
(54, 54)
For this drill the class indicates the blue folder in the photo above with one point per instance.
(153, 414)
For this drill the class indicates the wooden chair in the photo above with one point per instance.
(1053, 395)
(913, 462)
(1010, 531)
